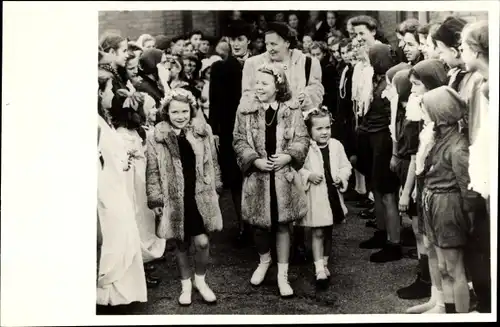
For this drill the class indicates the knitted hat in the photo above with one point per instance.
(149, 59)
(381, 58)
(162, 42)
(399, 67)
(402, 83)
(444, 106)
(239, 28)
(432, 73)
(449, 32)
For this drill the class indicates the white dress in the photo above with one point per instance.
(121, 278)
(479, 158)
(319, 213)
(152, 247)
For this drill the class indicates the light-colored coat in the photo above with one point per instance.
(165, 179)
(249, 144)
(318, 203)
(295, 75)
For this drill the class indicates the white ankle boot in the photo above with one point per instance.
(202, 287)
(185, 297)
(260, 273)
(283, 284)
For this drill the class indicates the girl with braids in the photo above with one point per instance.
(129, 116)
(182, 182)
(325, 176)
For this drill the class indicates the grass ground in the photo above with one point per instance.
(357, 285)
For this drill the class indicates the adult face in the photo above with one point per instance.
(132, 68)
(293, 21)
(411, 47)
(331, 19)
(364, 35)
(276, 46)
(239, 45)
(195, 40)
(259, 44)
(262, 22)
(265, 87)
(120, 55)
(317, 53)
(179, 113)
(280, 17)
(314, 15)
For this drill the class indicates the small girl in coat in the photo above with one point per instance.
(183, 179)
(325, 175)
(271, 143)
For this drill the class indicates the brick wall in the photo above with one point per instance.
(205, 21)
(470, 16)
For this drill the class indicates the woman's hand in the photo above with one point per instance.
(315, 178)
(394, 163)
(264, 165)
(163, 73)
(280, 160)
(404, 201)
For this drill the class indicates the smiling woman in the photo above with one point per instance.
(411, 45)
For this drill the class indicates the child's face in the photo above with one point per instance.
(317, 53)
(199, 85)
(336, 52)
(107, 95)
(469, 56)
(189, 66)
(259, 44)
(307, 41)
(293, 21)
(188, 49)
(204, 46)
(448, 55)
(345, 54)
(179, 113)
(132, 68)
(195, 40)
(265, 87)
(417, 87)
(150, 109)
(321, 130)
(422, 45)
(149, 44)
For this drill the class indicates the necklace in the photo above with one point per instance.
(272, 120)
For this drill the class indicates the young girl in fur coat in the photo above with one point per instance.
(325, 175)
(271, 144)
(183, 179)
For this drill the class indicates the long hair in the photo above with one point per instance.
(103, 77)
(476, 35)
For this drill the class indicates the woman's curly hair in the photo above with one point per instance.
(283, 93)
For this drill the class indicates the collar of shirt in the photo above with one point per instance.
(274, 105)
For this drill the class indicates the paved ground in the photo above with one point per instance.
(357, 285)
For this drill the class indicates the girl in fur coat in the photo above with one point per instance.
(182, 181)
(325, 175)
(271, 143)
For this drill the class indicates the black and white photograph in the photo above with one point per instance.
(275, 162)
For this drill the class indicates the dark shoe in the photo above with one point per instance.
(243, 239)
(412, 254)
(377, 241)
(152, 282)
(367, 214)
(149, 268)
(390, 252)
(372, 223)
(365, 203)
(416, 291)
(408, 237)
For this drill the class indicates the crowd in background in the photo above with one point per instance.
(400, 130)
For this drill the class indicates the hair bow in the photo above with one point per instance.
(132, 99)
(314, 111)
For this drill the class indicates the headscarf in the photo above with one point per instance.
(148, 61)
(432, 73)
(381, 58)
(399, 92)
(399, 67)
(444, 106)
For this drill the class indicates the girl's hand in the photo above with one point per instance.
(263, 165)
(163, 73)
(393, 164)
(280, 160)
(315, 178)
(343, 186)
(404, 202)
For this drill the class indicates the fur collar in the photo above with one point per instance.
(163, 130)
(256, 105)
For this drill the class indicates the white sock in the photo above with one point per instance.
(186, 283)
(282, 269)
(319, 265)
(439, 298)
(199, 278)
(325, 260)
(265, 258)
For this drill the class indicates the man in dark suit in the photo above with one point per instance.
(224, 97)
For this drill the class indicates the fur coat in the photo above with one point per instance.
(249, 144)
(295, 74)
(320, 212)
(165, 180)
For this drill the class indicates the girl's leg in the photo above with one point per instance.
(455, 287)
(318, 253)
(182, 248)
(262, 243)
(202, 246)
(327, 247)
(283, 254)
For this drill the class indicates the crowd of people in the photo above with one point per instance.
(292, 119)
